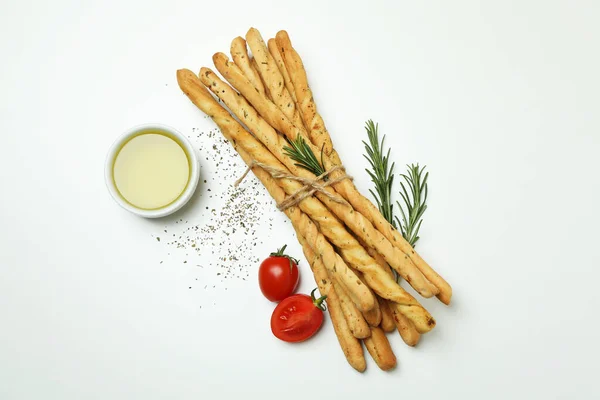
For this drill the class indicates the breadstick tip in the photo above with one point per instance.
(183, 73)
(185, 77)
(445, 295)
(252, 31)
(282, 35)
(220, 57)
(238, 41)
(205, 71)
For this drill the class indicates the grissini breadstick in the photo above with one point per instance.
(373, 316)
(354, 220)
(295, 68)
(412, 316)
(232, 130)
(272, 77)
(406, 328)
(379, 347)
(358, 223)
(256, 73)
(272, 45)
(240, 56)
(351, 346)
(387, 319)
(357, 324)
(321, 139)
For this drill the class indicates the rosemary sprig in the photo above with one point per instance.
(382, 174)
(304, 157)
(415, 200)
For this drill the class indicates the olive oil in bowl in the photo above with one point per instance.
(153, 171)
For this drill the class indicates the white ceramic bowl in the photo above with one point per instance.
(181, 200)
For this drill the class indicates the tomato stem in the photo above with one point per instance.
(280, 253)
(318, 302)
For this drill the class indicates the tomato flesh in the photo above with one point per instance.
(277, 278)
(296, 318)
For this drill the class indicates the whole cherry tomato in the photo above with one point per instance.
(278, 275)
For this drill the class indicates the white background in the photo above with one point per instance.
(499, 99)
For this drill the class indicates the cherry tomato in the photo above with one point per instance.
(298, 317)
(278, 275)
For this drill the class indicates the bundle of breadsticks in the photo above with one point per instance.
(349, 245)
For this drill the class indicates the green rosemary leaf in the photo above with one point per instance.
(381, 173)
(415, 203)
(302, 154)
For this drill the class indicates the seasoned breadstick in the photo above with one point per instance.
(350, 345)
(406, 328)
(321, 139)
(354, 220)
(380, 349)
(272, 45)
(373, 316)
(274, 81)
(295, 68)
(256, 73)
(252, 150)
(240, 56)
(418, 321)
(357, 324)
(387, 319)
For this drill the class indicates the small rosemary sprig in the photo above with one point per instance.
(415, 200)
(304, 157)
(382, 174)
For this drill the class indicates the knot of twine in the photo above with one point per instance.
(311, 186)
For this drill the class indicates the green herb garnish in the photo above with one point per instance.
(415, 200)
(414, 193)
(382, 174)
(304, 157)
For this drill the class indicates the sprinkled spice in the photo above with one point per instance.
(219, 236)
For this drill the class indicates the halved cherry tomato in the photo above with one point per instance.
(298, 317)
(278, 275)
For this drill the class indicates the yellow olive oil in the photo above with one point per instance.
(151, 170)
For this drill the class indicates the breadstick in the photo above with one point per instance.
(273, 78)
(321, 139)
(396, 319)
(240, 56)
(354, 220)
(387, 319)
(350, 345)
(418, 321)
(357, 324)
(255, 69)
(406, 328)
(272, 45)
(373, 316)
(252, 150)
(379, 347)
(293, 64)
